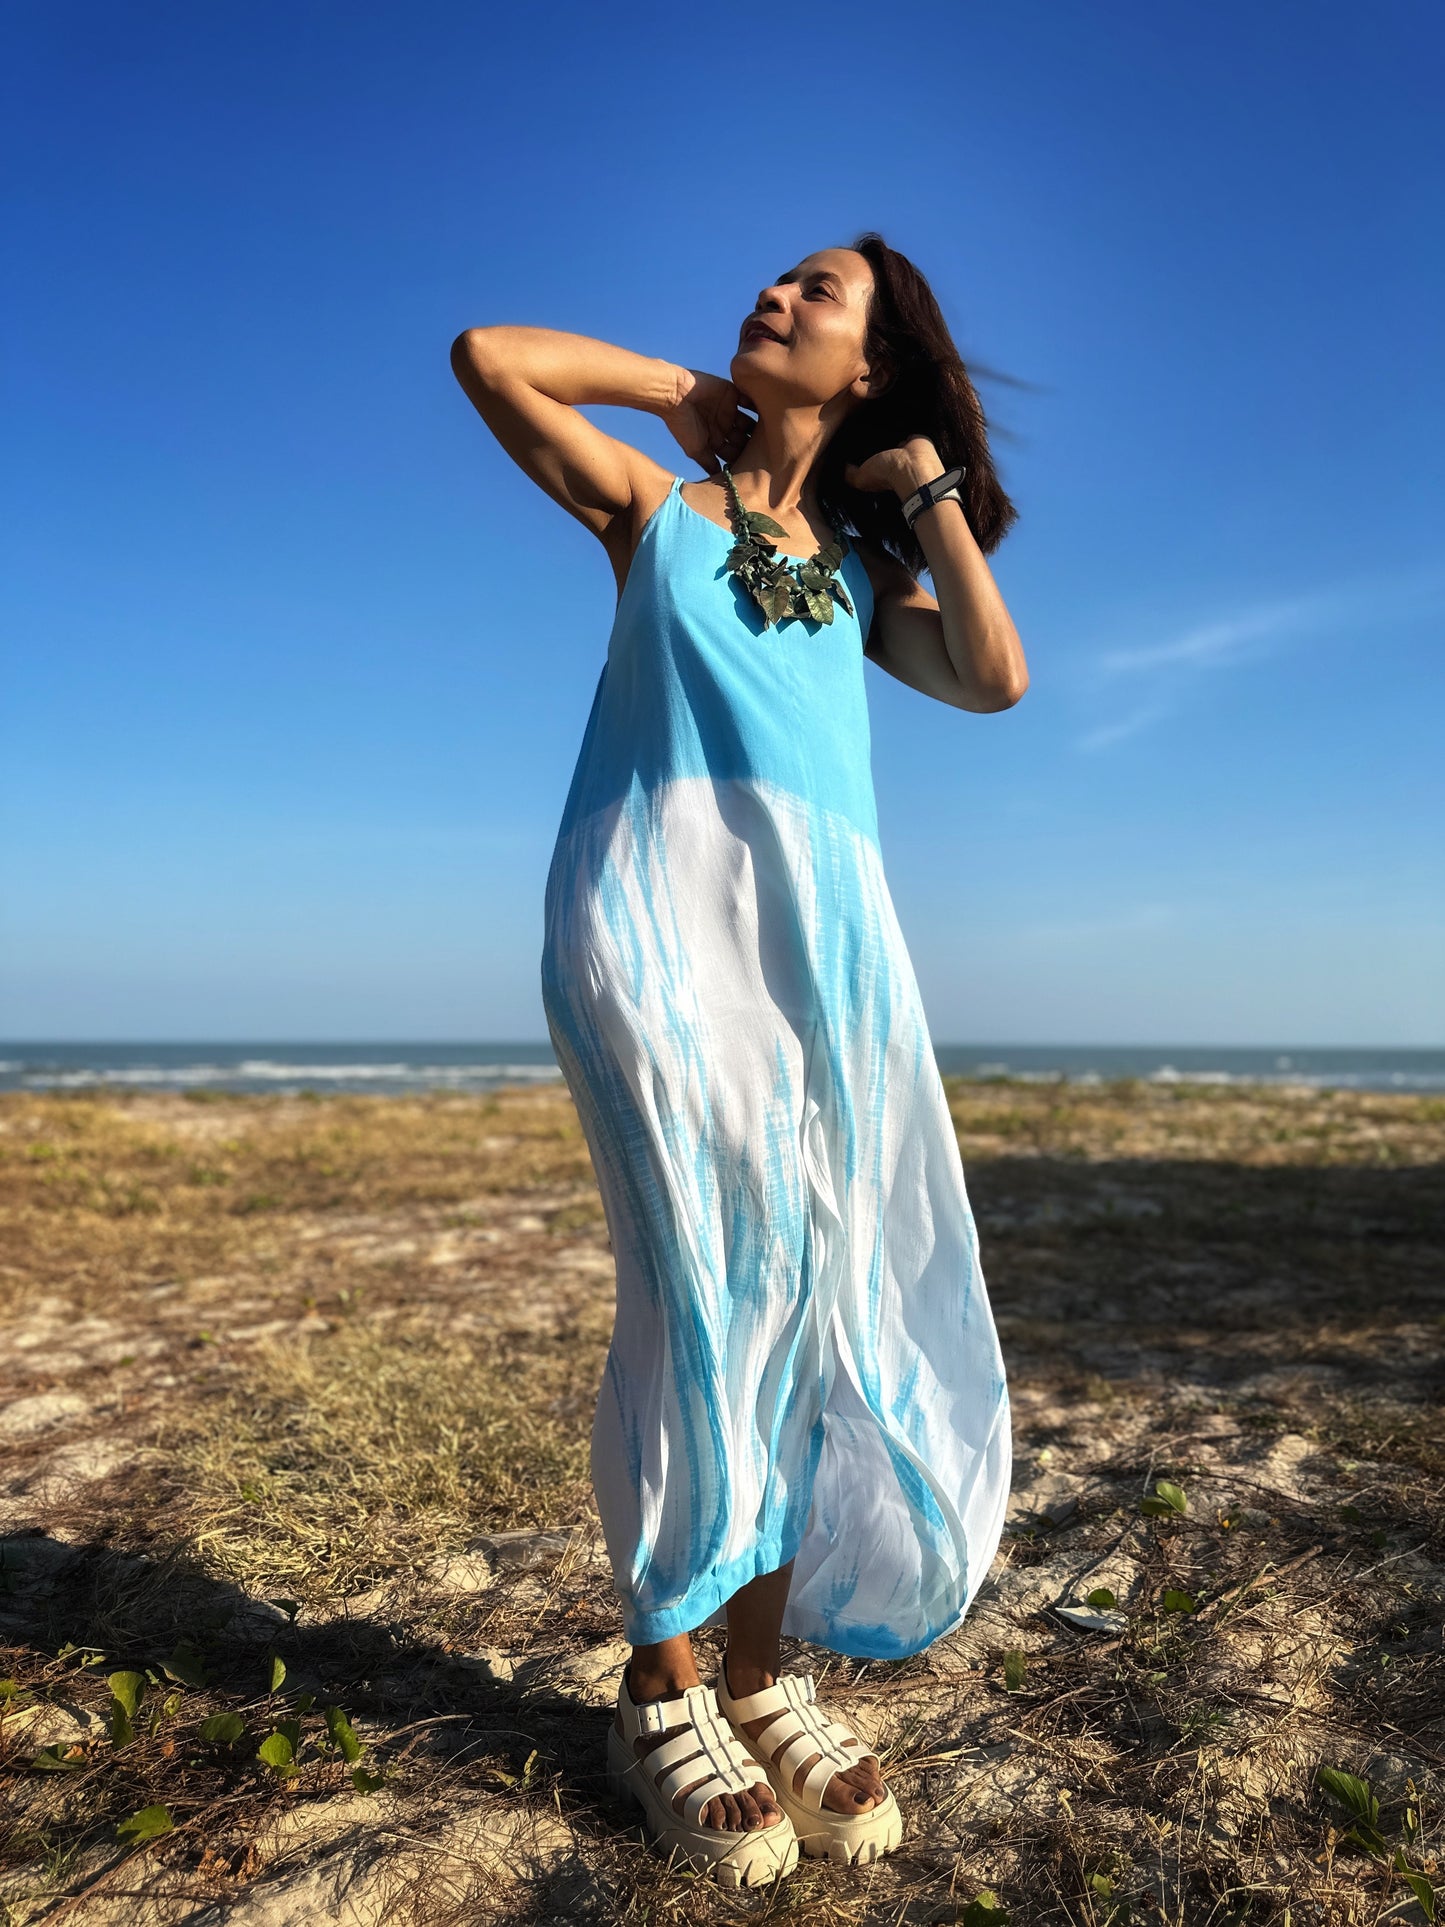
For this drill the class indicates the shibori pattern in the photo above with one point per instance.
(803, 1364)
(704, 1735)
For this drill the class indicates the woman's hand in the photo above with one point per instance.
(901, 469)
(707, 421)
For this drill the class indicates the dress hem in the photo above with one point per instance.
(704, 1597)
(699, 1605)
(703, 1601)
(649, 1629)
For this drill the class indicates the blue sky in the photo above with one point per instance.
(299, 661)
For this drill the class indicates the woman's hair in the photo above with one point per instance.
(929, 394)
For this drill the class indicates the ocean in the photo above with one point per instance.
(403, 1068)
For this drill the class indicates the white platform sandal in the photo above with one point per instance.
(808, 1728)
(703, 1743)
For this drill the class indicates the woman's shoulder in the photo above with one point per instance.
(651, 486)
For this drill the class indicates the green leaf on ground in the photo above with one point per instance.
(343, 1734)
(184, 1665)
(223, 1729)
(276, 1750)
(127, 1689)
(148, 1824)
(1167, 1501)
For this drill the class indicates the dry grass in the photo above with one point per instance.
(322, 1352)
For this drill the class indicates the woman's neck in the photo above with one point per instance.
(779, 459)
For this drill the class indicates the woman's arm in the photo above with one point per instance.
(526, 384)
(961, 648)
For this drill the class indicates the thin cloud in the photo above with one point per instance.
(1254, 633)
(1218, 644)
(1117, 732)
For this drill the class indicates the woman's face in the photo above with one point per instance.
(809, 347)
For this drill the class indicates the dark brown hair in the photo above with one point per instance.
(929, 394)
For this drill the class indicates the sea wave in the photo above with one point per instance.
(268, 1071)
(75, 1068)
(1376, 1080)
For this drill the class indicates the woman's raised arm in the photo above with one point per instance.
(526, 384)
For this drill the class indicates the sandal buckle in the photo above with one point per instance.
(651, 1716)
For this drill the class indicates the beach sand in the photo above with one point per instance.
(294, 1411)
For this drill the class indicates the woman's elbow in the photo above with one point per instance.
(1002, 694)
(1015, 690)
(473, 352)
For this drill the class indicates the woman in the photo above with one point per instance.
(803, 1425)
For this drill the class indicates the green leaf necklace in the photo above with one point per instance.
(783, 586)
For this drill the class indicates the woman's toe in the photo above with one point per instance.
(854, 1798)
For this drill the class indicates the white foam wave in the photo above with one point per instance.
(282, 1075)
(268, 1071)
(1379, 1080)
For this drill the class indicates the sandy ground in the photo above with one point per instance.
(294, 1404)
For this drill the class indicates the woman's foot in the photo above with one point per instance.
(855, 1789)
(758, 1807)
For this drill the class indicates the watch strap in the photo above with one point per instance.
(938, 490)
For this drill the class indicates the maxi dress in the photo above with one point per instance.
(804, 1363)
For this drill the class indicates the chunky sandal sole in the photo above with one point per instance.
(734, 1857)
(844, 1839)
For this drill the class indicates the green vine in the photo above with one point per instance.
(783, 586)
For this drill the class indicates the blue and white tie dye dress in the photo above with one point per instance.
(804, 1363)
